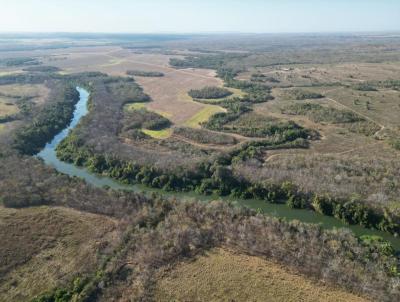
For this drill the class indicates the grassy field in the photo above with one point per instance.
(58, 243)
(202, 116)
(135, 106)
(159, 134)
(222, 275)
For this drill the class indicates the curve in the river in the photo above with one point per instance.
(48, 154)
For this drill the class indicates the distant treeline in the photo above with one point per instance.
(21, 61)
(42, 68)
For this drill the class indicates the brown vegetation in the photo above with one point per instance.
(224, 275)
(43, 248)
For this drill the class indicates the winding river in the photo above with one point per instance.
(48, 154)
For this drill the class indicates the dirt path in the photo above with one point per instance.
(355, 111)
(200, 145)
(271, 157)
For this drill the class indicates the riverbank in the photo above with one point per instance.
(48, 154)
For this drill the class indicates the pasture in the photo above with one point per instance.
(223, 275)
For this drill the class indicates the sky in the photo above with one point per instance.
(205, 16)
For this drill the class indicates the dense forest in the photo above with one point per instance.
(31, 138)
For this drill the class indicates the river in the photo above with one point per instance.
(48, 154)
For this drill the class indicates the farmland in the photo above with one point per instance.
(244, 118)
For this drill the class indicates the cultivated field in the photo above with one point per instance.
(169, 93)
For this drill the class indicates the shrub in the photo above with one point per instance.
(395, 143)
(319, 113)
(365, 87)
(210, 92)
(205, 137)
(299, 94)
(142, 73)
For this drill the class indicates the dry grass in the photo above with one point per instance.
(111, 60)
(44, 247)
(169, 93)
(383, 108)
(7, 107)
(38, 92)
(347, 73)
(337, 139)
(222, 275)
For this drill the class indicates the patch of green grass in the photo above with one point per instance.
(159, 134)
(236, 92)
(203, 116)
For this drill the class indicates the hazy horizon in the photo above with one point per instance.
(199, 17)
